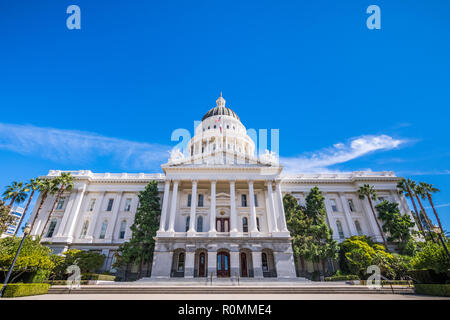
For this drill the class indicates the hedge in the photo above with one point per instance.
(64, 282)
(346, 277)
(25, 289)
(442, 290)
(429, 276)
(96, 276)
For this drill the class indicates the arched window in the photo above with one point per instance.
(200, 224)
(340, 230)
(123, 227)
(188, 220)
(358, 228)
(103, 229)
(265, 266)
(180, 267)
(200, 200)
(84, 229)
(244, 224)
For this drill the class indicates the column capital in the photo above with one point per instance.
(194, 181)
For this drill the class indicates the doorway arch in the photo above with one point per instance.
(223, 264)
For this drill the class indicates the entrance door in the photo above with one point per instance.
(201, 265)
(223, 224)
(223, 264)
(244, 272)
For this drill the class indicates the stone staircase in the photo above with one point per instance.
(162, 288)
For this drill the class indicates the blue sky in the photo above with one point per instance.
(108, 97)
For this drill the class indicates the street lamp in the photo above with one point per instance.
(437, 230)
(26, 231)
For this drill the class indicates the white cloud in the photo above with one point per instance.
(77, 147)
(320, 161)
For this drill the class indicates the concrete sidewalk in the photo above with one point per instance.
(226, 297)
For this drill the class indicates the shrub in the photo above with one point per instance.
(342, 277)
(25, 289)
(429, 276)
(431, 256)
(442, 290)
(86, 260)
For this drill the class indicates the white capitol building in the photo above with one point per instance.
(222, 208)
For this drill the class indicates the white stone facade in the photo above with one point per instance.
(222, 209)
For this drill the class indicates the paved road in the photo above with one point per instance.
(225, 297)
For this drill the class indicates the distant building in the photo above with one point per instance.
(17, 213)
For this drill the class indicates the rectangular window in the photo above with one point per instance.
(91, 205)
(351, 205)
(200, 200)
(257, 224)
(60, 204)
(243, 200)
(128, 204)
(103, 230)
(51, 229)
(333, 205)
(110, 204)
(189, 200)
(256, 200)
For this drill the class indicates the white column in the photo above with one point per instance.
(193, 207)
(165, 206)
(113, 221)
(373, 224)
(233, 215)
(173, 206)
(348, 217)
(70, 228)
(272, 211)
(95, 215)
(283, 226)
(67, 214)
(212, 214)
(331, 221)
(253, 226)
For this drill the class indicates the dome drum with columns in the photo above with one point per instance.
(222, 211)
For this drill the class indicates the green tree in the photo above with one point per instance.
(146, 222)
(397, 225)
(46, 187)
(311, 236)
(426, 190)
(33, 185)
(369, 192)
(404, 186)
(359, 252)
(431, 256)
(420, 192)
(33, 257)
(5, 218)
(87, 261)
(16, 192)
(65, 182)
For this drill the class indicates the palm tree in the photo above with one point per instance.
(46, 187)
(16, 192)
(65, 183)
(33, 185)
(428, 189)
(404, 186)
(369, 192)
(418, 191)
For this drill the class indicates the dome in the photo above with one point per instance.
(220, 110)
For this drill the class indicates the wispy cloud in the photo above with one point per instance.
(77, 147)
(321, 160)
(439, 206)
